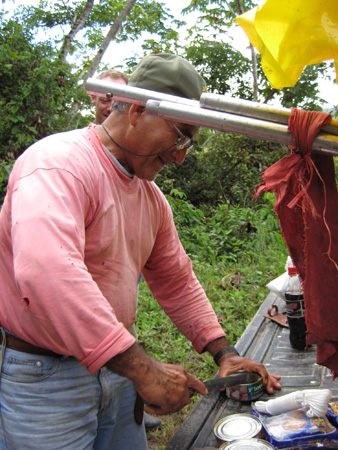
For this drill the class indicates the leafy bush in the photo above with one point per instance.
(5, 170)
(230, 232)
(192, 227)
(224, 169)
(36, 89)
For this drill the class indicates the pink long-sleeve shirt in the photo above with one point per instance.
(75, 233)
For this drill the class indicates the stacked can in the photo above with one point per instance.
(237, 426)
(295, 309)
(247, 444)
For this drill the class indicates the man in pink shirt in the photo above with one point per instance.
(103, 107)
(81, 220)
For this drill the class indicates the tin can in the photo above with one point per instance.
(250, 390)
(247, 444)
(237, 426)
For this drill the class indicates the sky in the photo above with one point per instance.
(123, 50)
(126, 49)
(116, 53)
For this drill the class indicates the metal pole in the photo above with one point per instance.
(231, 123)
(253, 119)
(131, 94)
(254, 109)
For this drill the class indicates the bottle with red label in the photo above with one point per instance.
(294, 299)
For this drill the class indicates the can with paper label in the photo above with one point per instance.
(251, 389)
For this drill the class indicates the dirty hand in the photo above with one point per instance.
(166, 388)
(163, 387)
(232, 363)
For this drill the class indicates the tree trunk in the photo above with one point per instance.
(254, 72)
(110, 36)
(253, 58)
(270, 96)
(77, 26)
(114, 29)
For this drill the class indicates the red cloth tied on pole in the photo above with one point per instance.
(307, 208)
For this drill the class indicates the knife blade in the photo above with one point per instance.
(230, 380)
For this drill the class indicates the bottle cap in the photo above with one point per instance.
(292, 270)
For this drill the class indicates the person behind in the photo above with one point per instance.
(81, 220)
(103, 108)
(103, 104)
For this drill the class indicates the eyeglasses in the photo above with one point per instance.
(183, 141)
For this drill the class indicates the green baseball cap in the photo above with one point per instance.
(170, 74)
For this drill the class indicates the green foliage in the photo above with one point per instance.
(229, 233)
(49, 15)
(225, 169)
(217, 14)
(221, 66)
(192, 226)
(146, 16)
(5, 170)
(36, 91)
(154, 18)
(305, 93)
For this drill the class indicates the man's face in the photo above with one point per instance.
(155, 136)
(102, 104)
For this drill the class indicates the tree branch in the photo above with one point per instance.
(114, 29)
(77, 26)
(110, 36)
(270, 96)
(253, 57)
(230, 9)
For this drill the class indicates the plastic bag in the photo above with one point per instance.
(279, 284)
(291, 35)
(294, 429)
(314, 402)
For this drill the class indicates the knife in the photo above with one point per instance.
(231, 380)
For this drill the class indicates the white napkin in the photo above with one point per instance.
(312, 401)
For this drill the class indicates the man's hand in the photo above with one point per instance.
(232, 363)
(163, 387)
(167, 389)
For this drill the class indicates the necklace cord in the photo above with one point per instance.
(128, 151)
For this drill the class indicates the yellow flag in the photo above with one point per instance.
(291, 34)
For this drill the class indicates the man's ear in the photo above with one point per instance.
(135, 113)
(93, 98)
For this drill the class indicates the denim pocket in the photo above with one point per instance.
(27, 368)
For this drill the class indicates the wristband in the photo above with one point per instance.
(223, 352)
